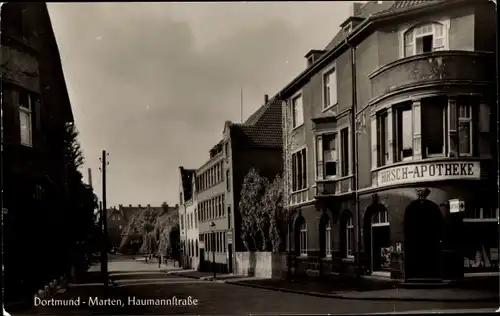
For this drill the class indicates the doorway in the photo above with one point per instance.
(230, 254)
(423, 229)
(380, 236)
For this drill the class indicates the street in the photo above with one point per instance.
(222, 299)
(157, 292)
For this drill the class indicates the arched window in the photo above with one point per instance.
(349, 237)
(424, 38)
(303, 238)
(328, 239)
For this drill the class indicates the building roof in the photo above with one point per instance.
(262, 128)
(371, 12)
(187, 182)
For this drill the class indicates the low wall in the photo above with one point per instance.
(261, 264)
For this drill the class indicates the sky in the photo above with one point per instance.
(154, 83)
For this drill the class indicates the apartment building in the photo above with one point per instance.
(188, 219)
(256, 143)
(389, 144)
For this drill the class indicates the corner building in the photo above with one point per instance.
(397, 145)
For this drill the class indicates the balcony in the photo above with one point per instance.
(332, 187)
(439, 67)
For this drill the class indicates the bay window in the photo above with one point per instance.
(299, 170)
(424, 39)
(327, 159)
(438, 126)
(297, 111)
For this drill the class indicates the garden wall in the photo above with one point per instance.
(261, 264)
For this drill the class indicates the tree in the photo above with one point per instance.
(253, 216)
(272, 202)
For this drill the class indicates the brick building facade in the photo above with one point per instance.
(389, 154)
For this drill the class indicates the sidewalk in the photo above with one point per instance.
(370, 290)
(78, 293)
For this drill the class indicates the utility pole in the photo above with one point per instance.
(90, 177)
(104, 250)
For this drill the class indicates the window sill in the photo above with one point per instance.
(329, 107)
(348, 259)
(334, 179)
(299, 191)
(327, 258)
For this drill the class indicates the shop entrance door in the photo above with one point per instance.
(380, 242)
(423, 224)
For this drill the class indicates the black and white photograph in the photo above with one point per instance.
(249, 158)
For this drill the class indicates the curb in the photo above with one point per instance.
(345, 297)
(185, 276)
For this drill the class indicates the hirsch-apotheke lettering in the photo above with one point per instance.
(424, 172)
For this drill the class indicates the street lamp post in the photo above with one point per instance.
(212, 229)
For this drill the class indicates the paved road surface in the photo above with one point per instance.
(197, 297)
(222, 299)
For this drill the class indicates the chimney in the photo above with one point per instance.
(266, 98)
(120, 206)
(90, 177)
(130, 205)
(139, 205)
(149, 205)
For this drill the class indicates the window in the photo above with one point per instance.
(350, 238)
(25, 118)
(299, 167)
(228, 183)
(182, 221)
(383, 138)
(326, 156)
(196, 248)
(222, 205)
(380, 218)
(195, 218)
(192, 220)
(434, 134)
(120, 227)
(297, 111)
(229, 217)
(329, 89)
(465, 129)
(424, 39)
(328, 239)
(481, 214)
(344, 151)
(303, 238)
(404, 133)
(226, 149)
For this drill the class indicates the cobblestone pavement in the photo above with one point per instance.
(190, 296)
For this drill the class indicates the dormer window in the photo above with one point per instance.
(347, 29)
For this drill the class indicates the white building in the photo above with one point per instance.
(188, 219)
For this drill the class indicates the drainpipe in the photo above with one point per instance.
(354, 135)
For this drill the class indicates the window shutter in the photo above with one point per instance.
(417, 133)
(390, 134)
(333, 87)
(409, 45)
(374, 140)
(438, 38)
